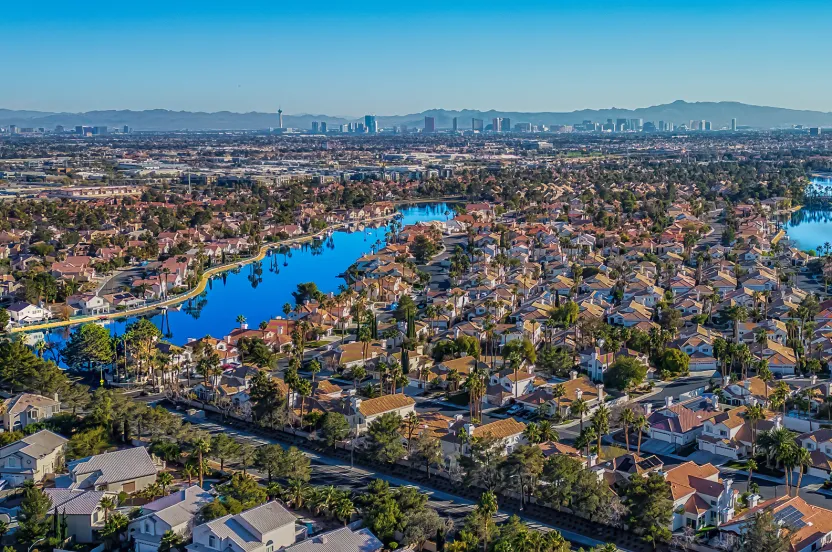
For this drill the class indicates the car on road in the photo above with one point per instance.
(515, 409)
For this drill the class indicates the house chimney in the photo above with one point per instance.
(600, 388)
(469, 429)
(592, 460)
(814, 379)
(573, 375)
(578, 394)
(355, 402)
(648, 408)
(753, 500)
(726, 484)
(778, 422)
(668, 402)
(244, 326)
(726, 381)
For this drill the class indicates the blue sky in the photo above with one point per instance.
(350, 58)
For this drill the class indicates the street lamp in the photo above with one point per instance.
(34, 543)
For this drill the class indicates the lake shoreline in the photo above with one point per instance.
(162, 306)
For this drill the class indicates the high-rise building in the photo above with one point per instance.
(734, 124)
(100, 130)
(280, 119)
(706, 125)
(505, 124)
(79, 130)
(430, 124)
(815, 131)
(371, 124)
(621, 125)
(523, 127)
(456, 123)
(636, 124)
(476, 125)
(323, 127)
(497, 124)
(315, 127)
(126, 129)
(13, 129)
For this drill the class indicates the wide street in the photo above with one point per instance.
(331, 471)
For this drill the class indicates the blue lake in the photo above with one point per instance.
(809, 227)
(261, 296)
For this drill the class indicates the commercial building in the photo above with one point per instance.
(430, 124)
(371, 124)
(476, 125)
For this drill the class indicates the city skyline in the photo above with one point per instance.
(257, 57)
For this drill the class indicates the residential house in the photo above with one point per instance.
(32, 458)
(700, 497)
(266, 528)
(27, 408)
(129, 470)
(82, 511)
(342, 539)
(175, 512)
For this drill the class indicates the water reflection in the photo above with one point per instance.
(258, 292)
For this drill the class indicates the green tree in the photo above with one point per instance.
(625, 373)
(764, 534)
(224, 447)
(651, 507)
(384, 440)
(675, 361)
(334, 428)
(33, 521)
(269, 458)
(90, 347)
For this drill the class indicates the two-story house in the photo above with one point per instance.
(27, 408)
(266, 528)
(175, 512)
(82, 511)
(700, 497)
(128, 470)
(31, 458)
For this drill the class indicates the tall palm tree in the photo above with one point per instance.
(802, 460)
(579, 409)
(558, 392)
(201, 446)
(628, 416)
(641, 425)
(601, 424)
(754, 414)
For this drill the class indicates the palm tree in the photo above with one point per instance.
(601, 424)
(627, 418)
(641, 425)
(189, 471)
(558, 392)
(737, 314)
(754, 414)
(579, 409)
(201, 446)
(164, 480)
(802, 460)
(298, 492)
(515, 361)
(750, 466)
(344, 509)
(547, 431)
(532, 433)
(108, 504)
(241, 319)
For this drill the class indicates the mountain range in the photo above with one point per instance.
(678, 112)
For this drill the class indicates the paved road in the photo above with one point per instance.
(331, 471)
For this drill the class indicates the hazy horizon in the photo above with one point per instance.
(371, 57)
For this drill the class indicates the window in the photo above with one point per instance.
(212, 541)
(270, 546)
(12, 462)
